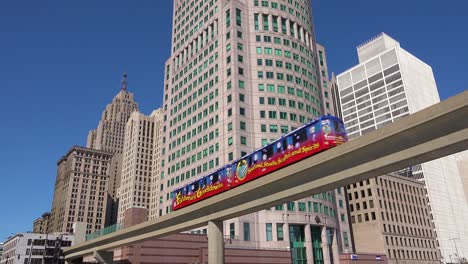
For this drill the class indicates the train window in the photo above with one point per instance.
(267, 152)
(250, 160)
(214, 177)
(314, 128)
(256, 157)
(300, 137)
(202, 182)
(194, 186)
(284, 142)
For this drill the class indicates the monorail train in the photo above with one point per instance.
(316, 136)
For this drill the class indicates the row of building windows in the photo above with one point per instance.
(183, 32)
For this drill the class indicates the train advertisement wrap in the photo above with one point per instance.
(315, 136)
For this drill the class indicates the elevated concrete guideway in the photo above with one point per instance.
(435, 132)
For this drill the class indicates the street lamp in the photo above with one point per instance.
(456, 249)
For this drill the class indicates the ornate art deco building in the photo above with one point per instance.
(109, 136)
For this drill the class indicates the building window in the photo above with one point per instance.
(345, 239)
(242, 125)
(246, 231)
(232, 230)
(269, 235)
(243, 140)
(238, 17)
(279, 231)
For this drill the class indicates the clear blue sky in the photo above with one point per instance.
(61, 63)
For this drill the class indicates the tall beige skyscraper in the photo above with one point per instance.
(81, 190)
(140, 183)
(241, 74)
(109, 136)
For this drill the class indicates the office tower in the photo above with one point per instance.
(81, 188)
(141, 161)
(41, 224)
(36, 248)
(390, 83)
(326, 91)
(241, 74)
(344, 234)
(109, 136)
(390, 215)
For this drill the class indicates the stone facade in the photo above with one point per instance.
(141, 162)
(81, 190)
(109, 136)
(390, 216)
(41, 224)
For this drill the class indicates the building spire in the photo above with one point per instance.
(124, 82)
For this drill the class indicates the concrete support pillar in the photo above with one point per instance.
(270, 22)
(204, 38)
(105, 257)
(325, 249)
(288, 27)
(215, 242)
(334, 247)
(308, 243)
(286, 228)
(210, 30)
(79, 229)
(260, 21)
(296, 33)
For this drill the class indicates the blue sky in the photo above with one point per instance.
(61, 63)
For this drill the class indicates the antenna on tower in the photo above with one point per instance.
(124, 81)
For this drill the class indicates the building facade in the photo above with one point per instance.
(81, 190)
(390, 83)
(41, 224)
(390, 215)
(36, 248)
(241, 74)
(141, 162)
(109, 136)
(462, 163)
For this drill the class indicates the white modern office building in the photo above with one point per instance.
(36, 248)
(390, 83)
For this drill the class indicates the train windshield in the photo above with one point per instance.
(338, 126)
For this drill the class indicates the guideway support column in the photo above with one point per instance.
(215, 242)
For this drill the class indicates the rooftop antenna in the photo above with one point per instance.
(124, 82)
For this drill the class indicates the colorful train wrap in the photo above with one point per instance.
(316, 136)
